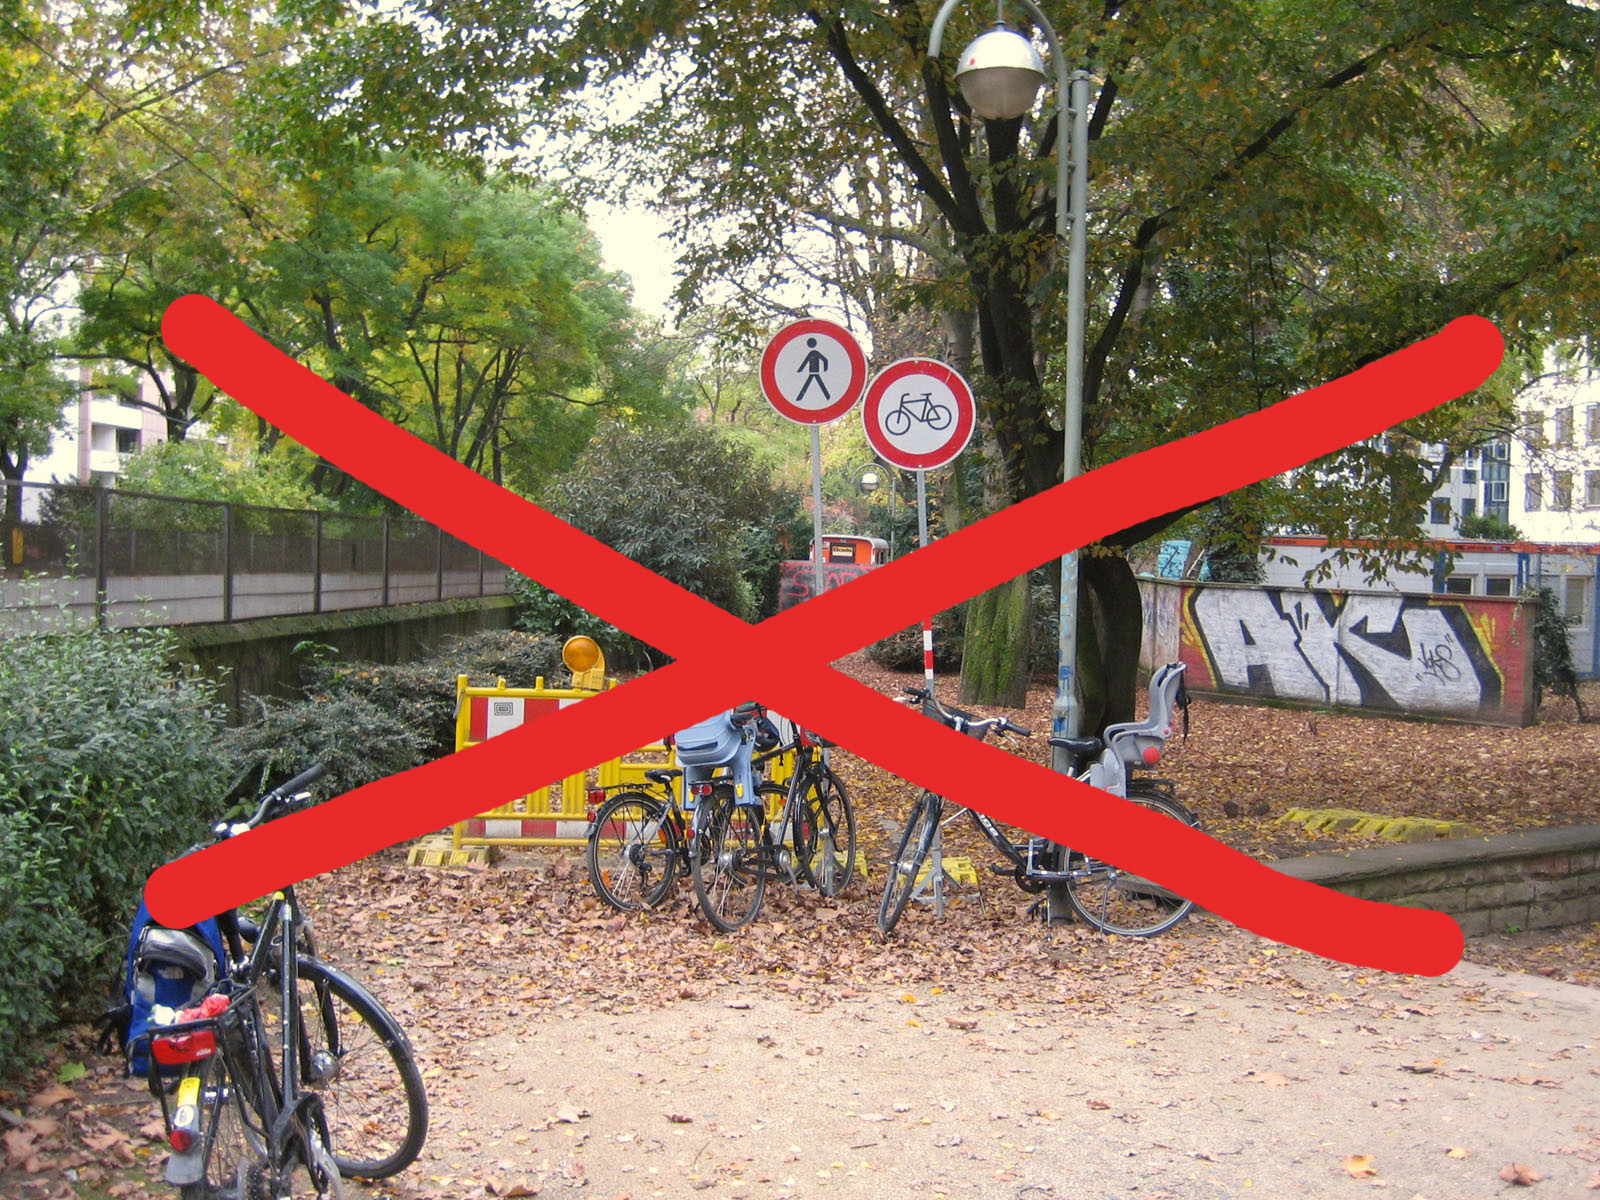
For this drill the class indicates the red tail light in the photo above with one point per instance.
(184, 1047)
(1152, 755)
(180, 1139)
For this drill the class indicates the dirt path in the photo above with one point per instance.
(1265, 1088)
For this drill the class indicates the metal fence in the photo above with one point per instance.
(76, 553)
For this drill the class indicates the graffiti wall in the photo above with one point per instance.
(796, 581)
(1464, 657)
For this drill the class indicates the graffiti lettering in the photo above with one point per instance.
(1437, 663)
(1408, 653)
(796, 579)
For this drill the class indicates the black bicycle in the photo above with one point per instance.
(1100, 893)
(291, 1075)
(638, 841)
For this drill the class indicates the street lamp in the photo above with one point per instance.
(869, 478)
(1000, 75)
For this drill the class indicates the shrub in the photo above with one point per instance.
(688, 503)
(357, 739)
(902, 651)
(108, 768)
(1552, 663)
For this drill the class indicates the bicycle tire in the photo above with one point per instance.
(938, 416)
(1116, 902)
(828, 859)
(915, 843)
(897, 423)
(236, 1160)
(627, 871)
(729, 867)
(358, 1061)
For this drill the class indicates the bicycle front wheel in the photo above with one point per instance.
(355, 1056)
(1118, 901)
(632, 852)
(915, 843)
(728, 866)
(828, 859)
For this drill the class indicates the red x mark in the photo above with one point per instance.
(721, 660)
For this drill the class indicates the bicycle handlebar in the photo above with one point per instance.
(277, 797)
(984, 724)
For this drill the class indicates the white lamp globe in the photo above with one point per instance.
(1000, 73)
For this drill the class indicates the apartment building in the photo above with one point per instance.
(101, 431)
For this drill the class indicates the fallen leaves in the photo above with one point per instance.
(1520, 1174)
(1359, 1166)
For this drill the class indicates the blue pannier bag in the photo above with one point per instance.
(175, 968)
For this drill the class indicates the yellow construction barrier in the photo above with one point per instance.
(556, 815)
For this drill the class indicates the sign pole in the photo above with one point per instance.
(816, 510)
(922, 540)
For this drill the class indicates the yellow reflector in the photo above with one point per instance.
(580, 653)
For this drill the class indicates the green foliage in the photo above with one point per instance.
(358, 740)
(1553, 668)
(108, 768)
(682, 500)
(203, 470)
(1489, 528)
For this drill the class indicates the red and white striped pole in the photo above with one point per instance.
(922, 540)
(927, 651)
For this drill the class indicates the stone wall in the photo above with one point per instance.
(1509, 882)
(256, 658)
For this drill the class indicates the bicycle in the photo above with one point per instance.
(732, 845)
(638, 841)
(289, 1067)
(1098, 892)
(923, 409)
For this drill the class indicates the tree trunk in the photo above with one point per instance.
(998, 621)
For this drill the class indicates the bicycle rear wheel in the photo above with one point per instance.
(236, 1164)
(828, 859)
(355, 1057)
(632, 852)
(915, 843)
(729, 868)
(1116, 901)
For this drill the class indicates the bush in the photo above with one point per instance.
(902, 651)
(406, 698)
(688, 503)
(108, 768)
(357, 739)
(1552, 663)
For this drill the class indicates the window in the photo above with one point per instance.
(1591, 489)
(1497, 492)
(1458, 585)
(1502, 450)
(1575, 599)
(1594, 423)
(1564, 426)
(1439, 512)
(1469, 506)
(127, 441)
(1561, 491)
(1469, 478)
(1533, 493)
(1497, 585)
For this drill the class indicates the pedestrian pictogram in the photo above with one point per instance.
(918, 413)
(813, 371)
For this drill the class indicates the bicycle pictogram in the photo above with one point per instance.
(923, 409)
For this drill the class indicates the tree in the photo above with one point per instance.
(39, 157)
(1282, 192)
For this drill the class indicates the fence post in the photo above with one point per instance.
(227, 562)
(385, 557)
(102, 577)
(316, 562)
(438, 559)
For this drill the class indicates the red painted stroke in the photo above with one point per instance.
(722, 660)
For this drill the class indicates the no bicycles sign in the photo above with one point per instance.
(918, 413)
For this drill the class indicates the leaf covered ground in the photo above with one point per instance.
(459, 955)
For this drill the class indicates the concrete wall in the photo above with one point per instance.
(1467, 658)
(257, 657)
(1540, 879)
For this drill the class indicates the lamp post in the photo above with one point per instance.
(869, 478)
(1000, 74)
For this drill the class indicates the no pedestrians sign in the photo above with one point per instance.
(813, 371)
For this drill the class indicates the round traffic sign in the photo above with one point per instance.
(918, 413)
(812, 371)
